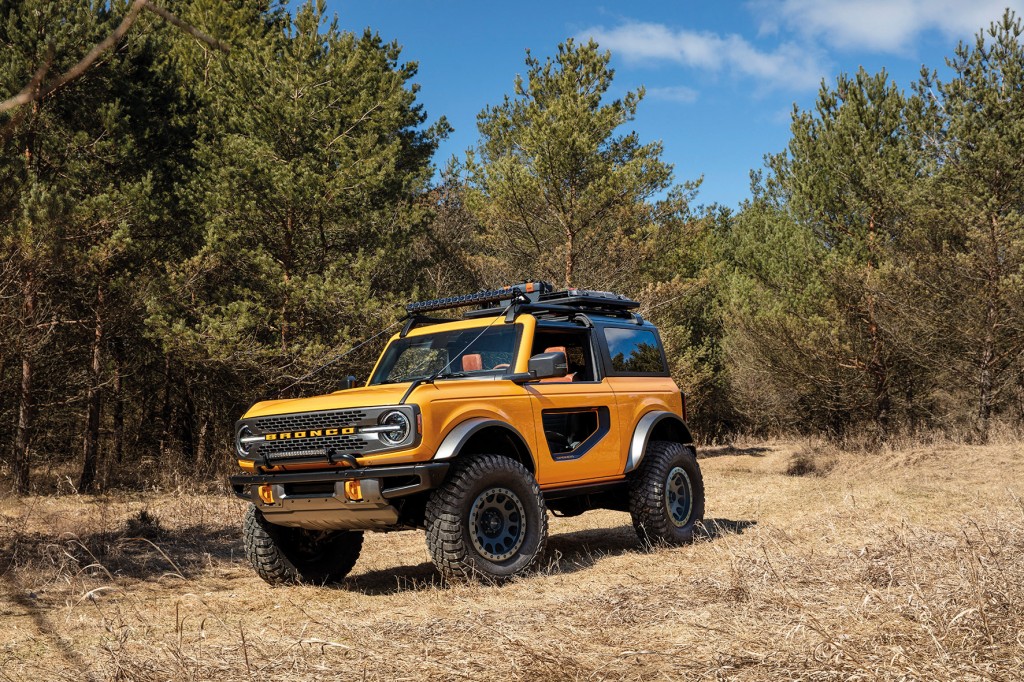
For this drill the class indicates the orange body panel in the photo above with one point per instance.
(603, 460)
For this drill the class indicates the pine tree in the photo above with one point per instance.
(969, 277)
(847, 176)
(559, 192)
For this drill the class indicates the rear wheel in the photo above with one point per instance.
(666, 494)
(284, 555)
(487, 521)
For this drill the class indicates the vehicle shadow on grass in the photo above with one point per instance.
(566, 553)
(579, 550)
(732, 451)
(142, 553)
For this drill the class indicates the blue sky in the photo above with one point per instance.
(721, 77)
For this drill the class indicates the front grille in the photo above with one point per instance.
(311, 420)
(319, 447)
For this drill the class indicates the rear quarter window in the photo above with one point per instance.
(634, 351)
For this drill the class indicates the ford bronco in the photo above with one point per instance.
(473, 429)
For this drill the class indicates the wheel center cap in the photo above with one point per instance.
(491, 523)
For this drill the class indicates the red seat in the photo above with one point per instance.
(472, 362)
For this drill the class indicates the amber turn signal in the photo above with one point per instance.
(353, 490)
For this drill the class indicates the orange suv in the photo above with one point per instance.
(473, 429)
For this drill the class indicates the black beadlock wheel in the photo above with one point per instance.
(487, 521)
(283, 555)
(666, 494)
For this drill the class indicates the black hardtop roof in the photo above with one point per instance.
(573, 321)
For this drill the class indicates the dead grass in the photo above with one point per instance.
(904, 564)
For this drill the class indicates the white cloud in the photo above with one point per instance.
(787, 65)
(674, 93)
(880, 25)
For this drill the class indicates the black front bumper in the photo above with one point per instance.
(408, 478)
(317, 499)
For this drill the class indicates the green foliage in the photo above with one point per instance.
(968, 272)
(303, 197)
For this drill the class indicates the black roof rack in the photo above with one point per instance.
(593, 300)
(529, 297)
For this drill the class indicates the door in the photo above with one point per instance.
(576, 416)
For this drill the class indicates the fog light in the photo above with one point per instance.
(266, 493)
(353, 490)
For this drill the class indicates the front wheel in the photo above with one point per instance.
(666, 494)
(284, 555)
(488, 521)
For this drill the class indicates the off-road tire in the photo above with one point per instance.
(449, 533)
(648, 498)
(281, 554)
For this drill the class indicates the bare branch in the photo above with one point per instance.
(35, 90)
(28, 92)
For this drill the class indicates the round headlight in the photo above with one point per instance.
(399, 427)
(244, 441)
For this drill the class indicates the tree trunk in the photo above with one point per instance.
(286, 300)
(117, 435)
(876, 365)
(985, 378)
(23, 438)
(187, 427)
(90, 463)
(570, 258)
(203, 447)
(166, 410)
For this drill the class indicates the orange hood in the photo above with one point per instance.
(367, 396)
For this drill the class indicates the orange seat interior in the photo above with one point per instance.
(472, 362)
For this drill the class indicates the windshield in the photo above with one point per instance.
(459, 353)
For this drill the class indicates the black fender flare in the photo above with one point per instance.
(642, 434)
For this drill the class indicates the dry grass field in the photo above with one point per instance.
(817, 564)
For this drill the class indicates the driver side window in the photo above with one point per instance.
(576, 346)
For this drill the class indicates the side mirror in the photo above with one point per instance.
(349, 382)
(543, 366)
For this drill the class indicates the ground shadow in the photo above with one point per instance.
(52, 634)
(134, 552)
(394, 580)
(716, 528)
(732, 451)
(566, 553)
(142, 553)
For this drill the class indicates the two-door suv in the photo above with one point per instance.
(472, 429)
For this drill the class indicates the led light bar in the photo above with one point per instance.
(531, 290)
